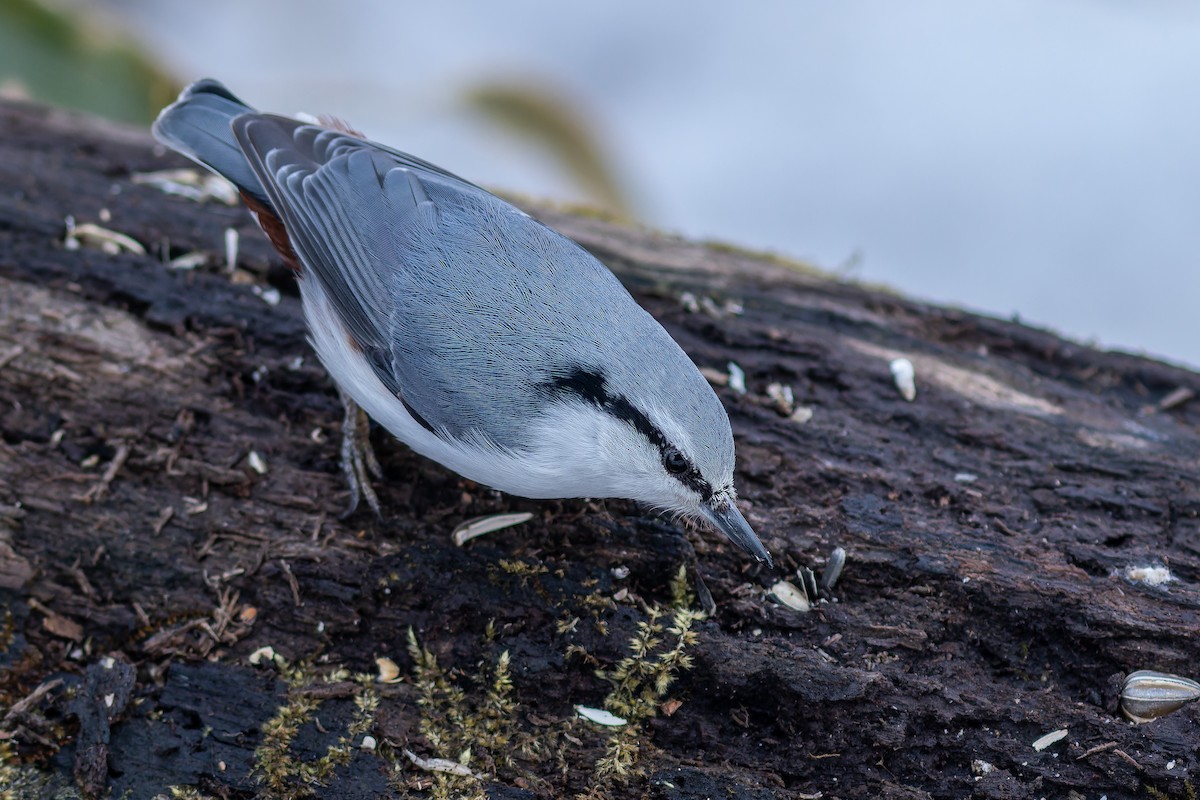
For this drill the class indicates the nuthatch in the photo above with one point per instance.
(476, 335)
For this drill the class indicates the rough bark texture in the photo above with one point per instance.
(144, 558)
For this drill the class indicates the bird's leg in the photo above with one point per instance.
(363, 430)
(358, 457)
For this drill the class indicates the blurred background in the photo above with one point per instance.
(1039, 159)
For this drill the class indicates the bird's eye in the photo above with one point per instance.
(675, 462)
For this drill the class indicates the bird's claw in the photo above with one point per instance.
(359, 464)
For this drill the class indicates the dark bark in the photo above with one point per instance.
(988, 524)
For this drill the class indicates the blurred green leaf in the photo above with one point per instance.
(537, 114)
(66, 57)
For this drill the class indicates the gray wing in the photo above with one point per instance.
(322, 183)
(466, 307)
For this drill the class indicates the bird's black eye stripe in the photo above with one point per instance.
(590, 386)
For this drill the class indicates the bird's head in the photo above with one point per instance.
(672, 451)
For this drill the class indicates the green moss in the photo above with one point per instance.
(682, 595)
(277, 768)
(7, 631)
(657, 654)
(1158, 794)
(522, 569)
(22, 782)
(470, 725)
(464, 728)
(189, 793)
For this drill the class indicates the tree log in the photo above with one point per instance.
(169, 535)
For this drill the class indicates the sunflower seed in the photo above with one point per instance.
(1147, 695)
(904, 376)
(481, 525)
(600, 716)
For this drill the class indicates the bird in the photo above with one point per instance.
(476, 335)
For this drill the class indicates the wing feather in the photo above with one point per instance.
(301, 173)
(463, 304)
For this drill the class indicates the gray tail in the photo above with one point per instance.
(198, 125)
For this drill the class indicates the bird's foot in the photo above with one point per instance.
(359, 464)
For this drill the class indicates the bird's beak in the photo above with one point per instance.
(730, 521)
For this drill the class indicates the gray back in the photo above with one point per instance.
(471, 307)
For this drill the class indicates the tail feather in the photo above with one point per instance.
(199, 125)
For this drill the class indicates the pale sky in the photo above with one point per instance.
(1011, 156)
